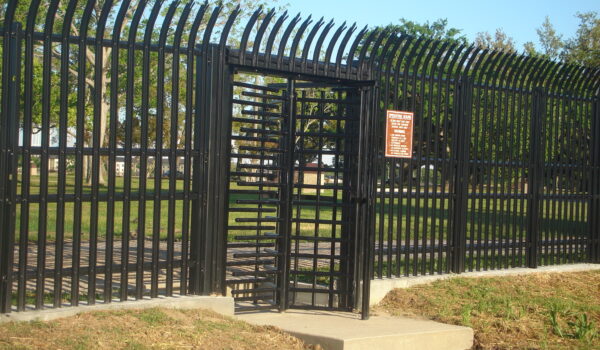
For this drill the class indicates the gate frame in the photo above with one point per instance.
(8, 160)
(363, 198)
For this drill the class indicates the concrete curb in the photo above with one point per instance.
(381, 287)
(219, 304)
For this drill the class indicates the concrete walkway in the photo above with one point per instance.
(337, 331)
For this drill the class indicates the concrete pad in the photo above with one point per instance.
(221, 305)
(337, 331)
(381, 287)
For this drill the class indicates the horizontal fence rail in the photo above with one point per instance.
(115, 148)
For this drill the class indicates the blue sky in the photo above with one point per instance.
(519, 19)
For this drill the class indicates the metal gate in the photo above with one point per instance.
(291, 186)
(135, 163)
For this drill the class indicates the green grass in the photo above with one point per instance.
(144, 329)
(428, 217)
(539, 311)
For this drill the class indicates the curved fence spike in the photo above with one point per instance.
(538, 65)
(352, 51)
(365, 49)
(272, 36)
(489, 69)
(342, 47)
(319, 45)
(259, 35)
(101, 24)
(378, 55)
(181, 24)
(246, 35)
(118, 24)
(498, 68)
(298, 37)
(588, 87)
(284, 39)
(210, 27)
(398, 40)
(468, 58)
(554, 85)
(430, 57)
(309, 40)
(193, 35)
(31, 16)
(151, 21)
(481, 56)
(227, 29)
(333, 41)
(9, 15)
(575, 81)
(401, 57)
(460, 52)
(516, 71)
(166, 24)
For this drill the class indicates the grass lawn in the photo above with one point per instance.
(427, 218)
(143, 329)
(539, 311)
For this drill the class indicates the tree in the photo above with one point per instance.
(500, 41)
(438, 30)
(551, 43)
(101, 93)
(584, 48)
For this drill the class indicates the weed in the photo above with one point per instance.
(154, 317)
(465, 315)
(582, 328)
(554, 312)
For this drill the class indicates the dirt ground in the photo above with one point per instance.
(539, 311)
(144, 329)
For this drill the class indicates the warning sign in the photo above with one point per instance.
(399, 134)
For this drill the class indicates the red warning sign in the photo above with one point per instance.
(399, 134)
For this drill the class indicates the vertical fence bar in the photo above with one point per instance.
(594, 209)
(462, 138)
(535, 172)
(8, 165)
(286, 192)
(198, 172)
(369, 184)
(223, 130)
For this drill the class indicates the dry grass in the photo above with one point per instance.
(142, 329)
(540, 311)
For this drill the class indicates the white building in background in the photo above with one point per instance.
(120, 166)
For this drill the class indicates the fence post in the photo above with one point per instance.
(594, 209)
(211, 164)
(535, 173)
(199, 242)
(8, 160)
(462, 140)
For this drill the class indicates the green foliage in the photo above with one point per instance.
(577, 325)
(550, 41)
(437, 29)
(584, 48)
(499, 42)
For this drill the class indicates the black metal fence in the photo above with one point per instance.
(128, 138)
(504, 170)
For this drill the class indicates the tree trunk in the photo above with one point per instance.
(104, 108)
